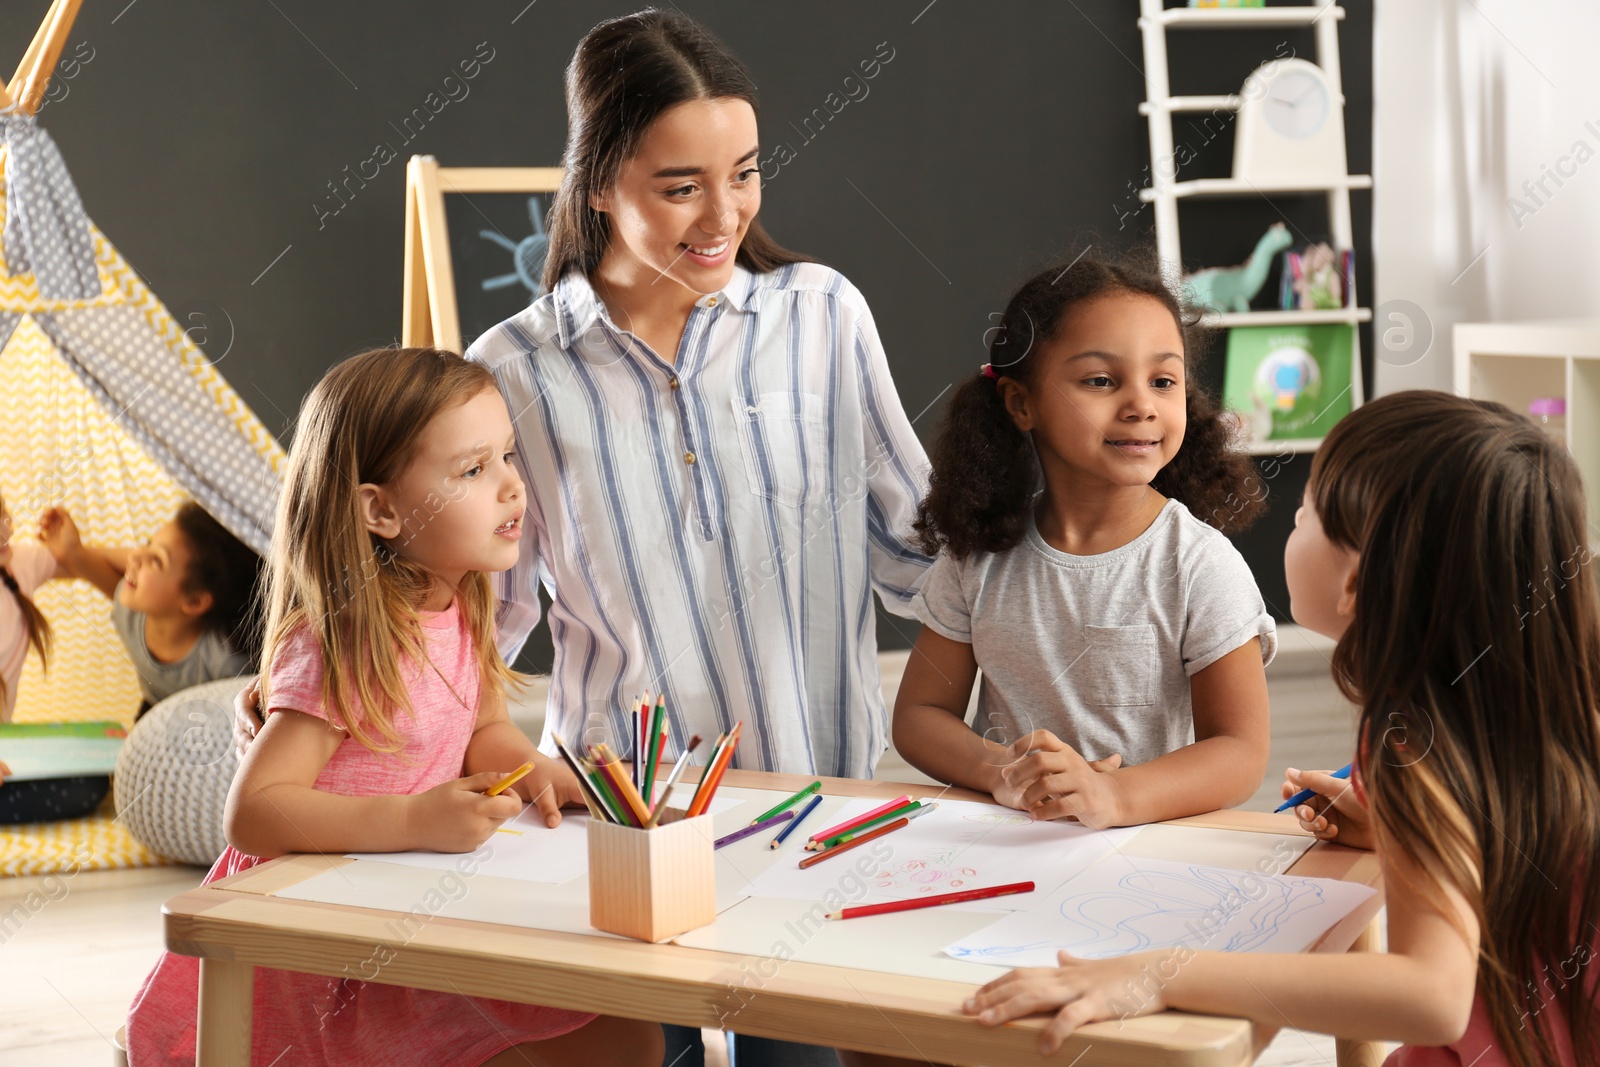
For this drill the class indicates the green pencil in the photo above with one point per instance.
(911, 810)
(791, 802)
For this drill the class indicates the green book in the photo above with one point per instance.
(1289, 382)
(60, 749)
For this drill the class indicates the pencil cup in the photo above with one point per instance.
(652, 884)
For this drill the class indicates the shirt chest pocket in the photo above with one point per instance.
(1119, 668)
(782, 440)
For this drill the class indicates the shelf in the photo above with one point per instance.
(1283, 448)
(1220, 187)
(1226, 319)
(1230, 102)
(1244, 18)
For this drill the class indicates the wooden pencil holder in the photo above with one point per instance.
(652, 884)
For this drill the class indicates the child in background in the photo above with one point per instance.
(1122, 639)
(24, 567)
(400, 499)
(182, 602)
(1442, 541)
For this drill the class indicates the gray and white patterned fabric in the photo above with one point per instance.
(128, 367)
(47, 232)
(174, 772)
(125, 362)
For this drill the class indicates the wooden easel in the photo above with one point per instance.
(429, 314)
(26, 89)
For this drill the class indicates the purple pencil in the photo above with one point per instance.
(740, 835)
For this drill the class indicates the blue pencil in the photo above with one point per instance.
(787, 830)
(1306, 794)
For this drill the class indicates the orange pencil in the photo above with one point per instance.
(818, 857)
(509, 780)
(714, 773)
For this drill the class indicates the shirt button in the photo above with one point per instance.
(711, 301)
(688, 457)
(673, 383)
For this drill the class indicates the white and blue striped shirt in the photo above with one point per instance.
(713, 528)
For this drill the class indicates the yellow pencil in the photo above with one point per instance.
(509, 780)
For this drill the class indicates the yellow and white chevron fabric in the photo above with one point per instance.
(95, 843)
(60, 444)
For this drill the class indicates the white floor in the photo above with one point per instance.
(73, 951)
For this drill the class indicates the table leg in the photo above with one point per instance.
(1362, 1053)
(226, 989)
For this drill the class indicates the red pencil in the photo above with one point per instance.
(849, 824)
(934, 901)
(818, 857)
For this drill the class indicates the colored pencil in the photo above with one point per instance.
(798, 819)
(657, 741)
(751, 831)
(932, 902)
(817, 844)
(871, 835)
(672, 780)
(787, 804)
(591, 798)
(851, 824)
(629, 792)
(612, 767)
(909, 812)
(714, 770)
(509, 780)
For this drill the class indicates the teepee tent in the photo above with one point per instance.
(106, 407)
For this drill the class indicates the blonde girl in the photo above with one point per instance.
(400, 499)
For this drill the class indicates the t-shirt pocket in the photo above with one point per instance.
(781, 437)
(1120, 668)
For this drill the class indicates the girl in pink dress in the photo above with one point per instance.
(1444, 543)
(400, 499)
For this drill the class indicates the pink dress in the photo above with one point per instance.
(302, 1020)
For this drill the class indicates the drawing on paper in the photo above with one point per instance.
(1165, 905)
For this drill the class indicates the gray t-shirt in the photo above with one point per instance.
(1099, 649)
(212, 657)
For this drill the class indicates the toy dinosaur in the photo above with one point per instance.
(1232, 288)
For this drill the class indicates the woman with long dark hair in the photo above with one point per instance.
(719, 469)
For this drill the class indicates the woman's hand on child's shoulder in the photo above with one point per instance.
(1050, 780)
(1079, 992)
(459, 815)
(246, 716)
(551, 786)
(1335, 813)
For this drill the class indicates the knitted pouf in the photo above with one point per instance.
(175, 769)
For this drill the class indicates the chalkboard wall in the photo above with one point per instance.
(248, 159)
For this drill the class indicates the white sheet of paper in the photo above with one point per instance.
(962, 845)
(527, 850)
(1129, 904)
(907, 942)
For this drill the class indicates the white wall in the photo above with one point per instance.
(1476, 102)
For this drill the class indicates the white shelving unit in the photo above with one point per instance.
(1518, 362)
(1165, 191)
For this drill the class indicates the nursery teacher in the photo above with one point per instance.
(719, 468)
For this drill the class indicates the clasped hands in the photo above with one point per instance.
(1049, 779)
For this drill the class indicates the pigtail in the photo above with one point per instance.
(33, 621)
(984, 474)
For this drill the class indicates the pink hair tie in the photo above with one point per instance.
(988, 371)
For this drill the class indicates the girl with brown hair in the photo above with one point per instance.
(1081, 486)
(1444, 543)
(720, 472)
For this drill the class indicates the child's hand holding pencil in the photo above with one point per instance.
(549, 786)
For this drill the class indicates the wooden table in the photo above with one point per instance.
(236, 924)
